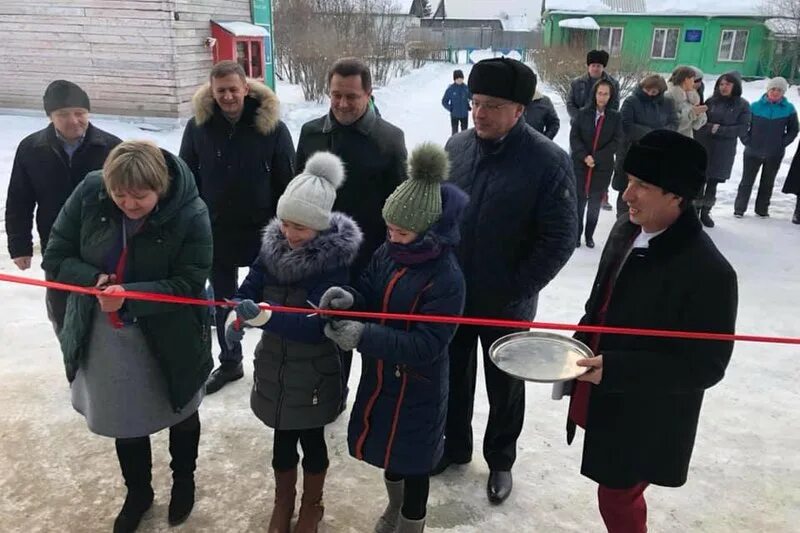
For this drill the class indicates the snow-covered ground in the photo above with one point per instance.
(744, 477)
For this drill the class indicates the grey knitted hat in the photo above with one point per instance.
(778, 83)
(417, 202)
(309, 197)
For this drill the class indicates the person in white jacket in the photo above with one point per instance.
(691, 114)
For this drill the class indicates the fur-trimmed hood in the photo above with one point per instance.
(267, 113)
(333, 248)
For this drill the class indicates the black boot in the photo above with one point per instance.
(589, 241)
(498, 488)
(136, 465)
(225, 373)
(705, 217)
(183, 441)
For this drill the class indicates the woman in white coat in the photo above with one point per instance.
(691, 114)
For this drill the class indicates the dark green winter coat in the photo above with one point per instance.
(171, 254)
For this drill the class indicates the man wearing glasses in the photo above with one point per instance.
(518, 231)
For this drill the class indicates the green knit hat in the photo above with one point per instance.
(417, 202)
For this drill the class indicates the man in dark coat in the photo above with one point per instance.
(773, 127)
(580, 90)
(642, 112)
(519, 229)
(640, 400)
(373, 151)
(242, 157)
(728, 119)
(541, 115)
(456, 100)
(48, 166)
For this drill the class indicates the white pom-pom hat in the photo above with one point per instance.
(309, 197)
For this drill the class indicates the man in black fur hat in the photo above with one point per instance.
(640, 400)
(580, 90)
(518, 231)
(48, 165)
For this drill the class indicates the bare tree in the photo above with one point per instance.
(787, 15)
(312, 34)
(559, 65)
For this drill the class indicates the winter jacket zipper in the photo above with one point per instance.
(402, 372)
(379, 369)
(281, 371)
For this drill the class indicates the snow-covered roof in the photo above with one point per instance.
(782, 26)
(657, 7)
(585, 23)
(242, 29)
(513, 14)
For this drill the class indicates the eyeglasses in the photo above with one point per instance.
(487, 106)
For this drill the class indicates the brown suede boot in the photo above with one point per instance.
(311, 508)
(285, 492)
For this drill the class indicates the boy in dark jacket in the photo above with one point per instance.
(297, 386)
(456, 100)
(49, 164)
(773, 127)
(399, 414)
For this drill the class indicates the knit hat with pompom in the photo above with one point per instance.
(417, 202)
(309, 197)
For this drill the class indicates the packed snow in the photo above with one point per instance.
(59, 476)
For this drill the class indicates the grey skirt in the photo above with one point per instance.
(119, 387)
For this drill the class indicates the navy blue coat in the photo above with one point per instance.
(456, 100)
(521, 223)
(398, 418)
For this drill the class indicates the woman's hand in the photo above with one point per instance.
(108, 302)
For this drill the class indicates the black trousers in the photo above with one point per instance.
(709, 196)
(315, 451)
(415, 494)
(769, 169)
(592, 213)
(224, 282)
(454, 123)
(506, 401)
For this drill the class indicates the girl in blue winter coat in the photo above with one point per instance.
(398, 418)
(297, 385)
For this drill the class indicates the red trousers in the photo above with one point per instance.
(623, 510)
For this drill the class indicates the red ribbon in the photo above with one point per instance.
(439, 319)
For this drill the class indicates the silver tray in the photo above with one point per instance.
(539, 356)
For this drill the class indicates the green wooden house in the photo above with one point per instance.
(664, 34)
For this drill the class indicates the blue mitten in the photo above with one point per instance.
(251, 314)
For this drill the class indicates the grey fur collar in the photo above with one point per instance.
(333, 248)
(267, 115)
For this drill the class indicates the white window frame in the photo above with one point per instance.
(736, 32)
(664, 45)
(607, 45)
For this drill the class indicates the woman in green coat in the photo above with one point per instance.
(137, 367)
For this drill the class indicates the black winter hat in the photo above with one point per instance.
(458, 74)
(668, 160)
(503, 77)
(597, 56)
(63, 93)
